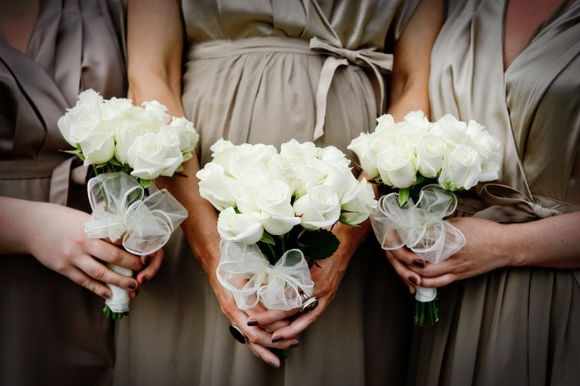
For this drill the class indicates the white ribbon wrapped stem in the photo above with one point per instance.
(247, 274)
(420, 227)
(121, 211)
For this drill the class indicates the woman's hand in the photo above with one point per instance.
(258, 338)
(55, 236)
(327, 275)
(485, 249)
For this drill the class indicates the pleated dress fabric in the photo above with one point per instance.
(52, 331)
(512, 326)
(254, 73)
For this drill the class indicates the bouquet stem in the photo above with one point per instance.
(112, 314)
(426, 314)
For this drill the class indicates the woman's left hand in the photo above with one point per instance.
(327, 275)
(487, 248)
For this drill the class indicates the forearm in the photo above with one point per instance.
(552, 242)
(16, 220)
(155, 45)
(410, 78)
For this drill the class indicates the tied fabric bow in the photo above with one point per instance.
(247, 274)
(339, 56)
(121, 211)
(419, 227)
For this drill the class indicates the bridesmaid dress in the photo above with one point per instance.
(512, 326)
(52, 331)
(267, 72)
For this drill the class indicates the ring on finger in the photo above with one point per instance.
(238, 334)
(309, 304)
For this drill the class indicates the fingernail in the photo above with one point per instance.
(277, 339)
(294, 345)
(252, 322)
(419, 263)
(413, 279)
(107, 295)
(145, 260)
(273, 364)
(133, 286)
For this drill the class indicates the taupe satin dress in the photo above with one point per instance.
(254, 74)
(514, 326)
(52, 331)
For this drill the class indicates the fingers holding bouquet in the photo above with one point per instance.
(276, 212)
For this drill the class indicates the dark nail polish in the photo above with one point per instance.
(419, 263)
(277, 339)
(413, 279)
(252, 323)
(294, 345)
(145, 260)
(133, 286)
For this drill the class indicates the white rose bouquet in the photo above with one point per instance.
(128, 147)
(276, 212)
(421, 164)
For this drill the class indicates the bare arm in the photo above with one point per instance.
(551, 242)
(157, 74)
(410, 81)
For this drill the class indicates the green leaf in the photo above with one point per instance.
(267, 239)
(318, 244)
(403, 196)
(145, 183)
(113, 161)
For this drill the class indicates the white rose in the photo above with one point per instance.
(126, 133)
(220, 145)
(450, 130)
(396, 166)
(239, 159)
(98, 146)
(488, 148)
(341, 180)
(298, 152)
(310, 174)
(385, 123)
(215, 186)
(361, 146)
(241, 228)
(461, 169)
(182, 130)
(319, 208)
(82, 120)
(360, 204)
(430, 153)
(274, 200)
(116, 108)
(332, 155)
(156, 112)
(245, 190)
(151, 156)
(417, 119)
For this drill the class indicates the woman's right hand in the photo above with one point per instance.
(55, 236)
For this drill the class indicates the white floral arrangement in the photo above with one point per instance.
(127, 147)
(276, 212)
(421, 163)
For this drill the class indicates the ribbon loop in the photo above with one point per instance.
(121, 211)
(419, 226)
(247, 274)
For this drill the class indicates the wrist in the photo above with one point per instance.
(508, 247)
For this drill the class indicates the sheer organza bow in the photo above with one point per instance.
(121, 210)
(420, 227)
(247, 274)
